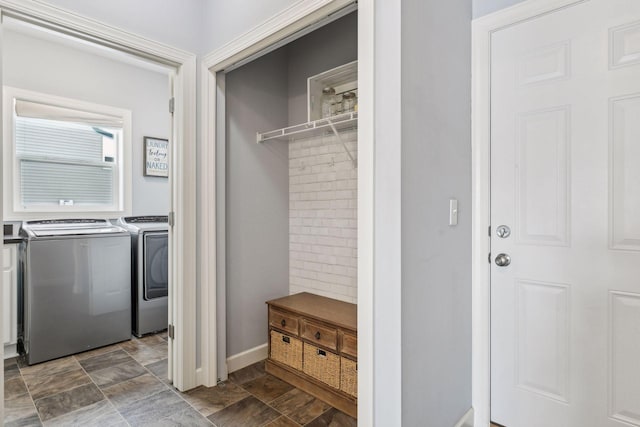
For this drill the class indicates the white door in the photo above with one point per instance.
(565, 179)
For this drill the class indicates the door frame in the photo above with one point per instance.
(183, 178)
(301, 15)
(482, 29)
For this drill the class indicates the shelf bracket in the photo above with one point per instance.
(354, 162)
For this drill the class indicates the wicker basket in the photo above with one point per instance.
(286, 350)
(322, 365)
(349, 377)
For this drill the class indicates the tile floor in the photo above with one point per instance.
(126, 384)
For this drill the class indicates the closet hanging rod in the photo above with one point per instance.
(335, 124)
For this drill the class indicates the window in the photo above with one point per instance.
(64, 156)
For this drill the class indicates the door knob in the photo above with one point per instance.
(503, 260)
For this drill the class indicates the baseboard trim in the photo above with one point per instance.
(248, 357)
(199, 377)
(466, 420)
(10, 350)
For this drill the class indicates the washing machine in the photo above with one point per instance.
(76, 287)
(149, 272)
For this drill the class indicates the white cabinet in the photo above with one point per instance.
(10, 298)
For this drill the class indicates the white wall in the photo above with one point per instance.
(322, 180)
(174, 22)
(224, 20)
(323, 217)
(52, 68)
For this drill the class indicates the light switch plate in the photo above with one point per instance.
(453, 212)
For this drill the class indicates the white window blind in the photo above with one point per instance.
(65, 156)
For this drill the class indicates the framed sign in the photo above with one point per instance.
(156, 157)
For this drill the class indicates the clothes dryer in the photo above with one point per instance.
(149, 272)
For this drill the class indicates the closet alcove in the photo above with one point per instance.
(286, 184)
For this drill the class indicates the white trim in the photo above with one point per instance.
(291, 20)
(56, 18)
(248, 357)
(366, 174)
(519, 12)
(380, 214)
(482, 28)
(2, 355)
(184, 162)
(466, 420)
(183, 203)
(208, 253)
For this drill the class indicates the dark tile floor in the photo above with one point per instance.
(126, 385)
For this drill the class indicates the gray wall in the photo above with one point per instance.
(82, 75)
(257, 187)
(436, 166)
(484, 7)
(328, 47)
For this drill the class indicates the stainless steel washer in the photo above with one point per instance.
(76, 287)
(149, 273)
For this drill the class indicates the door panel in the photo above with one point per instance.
(625, 45)
(565, 177)
(624, 330)
(542, 177)
(625, 173)
(543, 322)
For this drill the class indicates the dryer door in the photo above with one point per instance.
(156, 265)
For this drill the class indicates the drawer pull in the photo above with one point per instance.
(317, 335)
(286, 339)
(322, 353)
(283, 323)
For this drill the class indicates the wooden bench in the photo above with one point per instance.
(313, 345)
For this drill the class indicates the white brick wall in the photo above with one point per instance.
(323, 199)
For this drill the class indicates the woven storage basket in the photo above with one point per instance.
(322, 365)
(286, 349)
(349, 377)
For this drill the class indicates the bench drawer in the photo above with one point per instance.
(349, 345)
(283, 321)
(319, 334)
